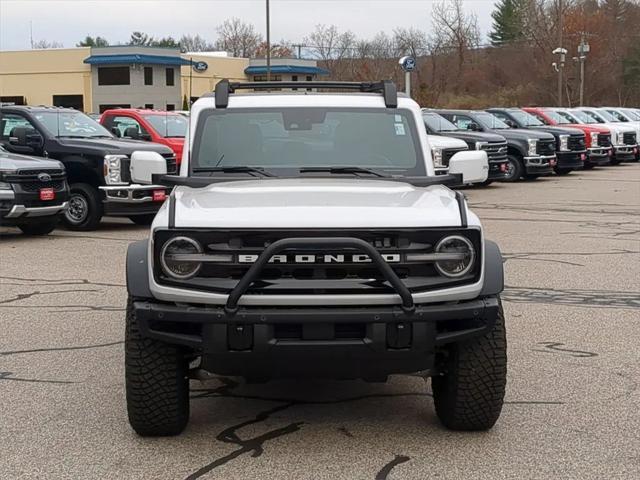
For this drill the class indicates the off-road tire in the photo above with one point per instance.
(515, 169)
(143, 220)
(562, 171)
(40, 227)
(588, 165)
(157, 386)
(470, 393)
(91, 196)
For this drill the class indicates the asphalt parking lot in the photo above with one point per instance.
(572, 256)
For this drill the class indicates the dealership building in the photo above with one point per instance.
(95, 79)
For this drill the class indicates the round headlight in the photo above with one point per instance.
(456, 245)
(172, 263)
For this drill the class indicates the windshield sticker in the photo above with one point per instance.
(398, 118)
(399, 129)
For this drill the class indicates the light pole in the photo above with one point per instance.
(268, 45)
(583, 49)
(559, 67)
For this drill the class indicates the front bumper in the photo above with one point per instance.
(599, 155)
(133, 199)
(16, 205)
(340, 342)
(540, 164)
(497, 169)
(20, 211)
(625, 153)
(573, 159)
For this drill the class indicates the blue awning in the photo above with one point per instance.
(135, 58)
(280, 69)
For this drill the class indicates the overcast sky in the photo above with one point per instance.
(69, 21)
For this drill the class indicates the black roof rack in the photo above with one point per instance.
(386, 87)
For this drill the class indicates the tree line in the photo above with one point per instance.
(456, 68)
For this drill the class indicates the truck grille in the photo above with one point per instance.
(546, 147)
(314, 275)
(29, 181)
(496, 152)
(604, 139)
(629, 138)
(577, 142)
(172, 165)
(448, 153)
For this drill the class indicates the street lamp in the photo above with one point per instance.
(559, 66)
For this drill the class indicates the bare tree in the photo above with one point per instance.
(41, 44)
(455, 30)
(238, 38)
(328, 44)
(195, 43)
(410, 41)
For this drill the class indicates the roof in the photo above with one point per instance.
(280, 69)
(141, 111)
(125, 58)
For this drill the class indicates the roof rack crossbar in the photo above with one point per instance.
(386, 87)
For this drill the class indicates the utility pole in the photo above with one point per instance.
(298, 46)
(583, 49)
(268, 45)
(561, 66)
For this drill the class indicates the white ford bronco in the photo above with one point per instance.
(307, 234)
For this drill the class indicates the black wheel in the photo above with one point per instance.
(531, 176)
(85, 208)
(156, 383)
(587, 165)
(562, 171)
(614, 161)
(470, 393)
(486, 183)
(142, 219)
(515, 169)
(39, 227)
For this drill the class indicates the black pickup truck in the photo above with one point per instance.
(96, 162)
(571, 147)
(33, 193)
(530, 153)
(495, 145)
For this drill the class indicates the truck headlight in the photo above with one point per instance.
(457, 245)
(436, 153)
(594, 139)
(619, 138)
(178, 257)
(533, 147)
(5, 186)
(113, 169)
(564, 143)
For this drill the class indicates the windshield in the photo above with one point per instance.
(438, 123)
(295, 138)
(631, 114)
(586, 117)
(526, 119)
(168, 125)
(488, 120)
(71, 124)
(606, 116)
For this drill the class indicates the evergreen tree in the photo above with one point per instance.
(508, 22)
(90, 41)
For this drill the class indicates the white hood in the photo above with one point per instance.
(446, 142)
(314, 203)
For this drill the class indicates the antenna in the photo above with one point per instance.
(31, 33)
(166, 124)
(58, 121)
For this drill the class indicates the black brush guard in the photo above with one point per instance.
(278, 246)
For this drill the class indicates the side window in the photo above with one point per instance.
(461, 121)
(122, 124)
(9, 121)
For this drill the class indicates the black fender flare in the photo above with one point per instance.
(137, 270)
(517, 150)
(493, 270)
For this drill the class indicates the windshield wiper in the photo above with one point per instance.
(354, 170)
(236, 169)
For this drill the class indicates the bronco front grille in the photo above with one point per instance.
(315, 270)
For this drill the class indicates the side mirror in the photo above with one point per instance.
(473, 127)
(144, 136)
(473, 165)
(25, 137)
(132, 132)
(511, 123)
(116, 131)
(146, 164)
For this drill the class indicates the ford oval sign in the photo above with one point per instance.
(408, 64)
(200, 66)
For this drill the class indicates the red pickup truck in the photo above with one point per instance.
(167, 128)
(597, 138)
